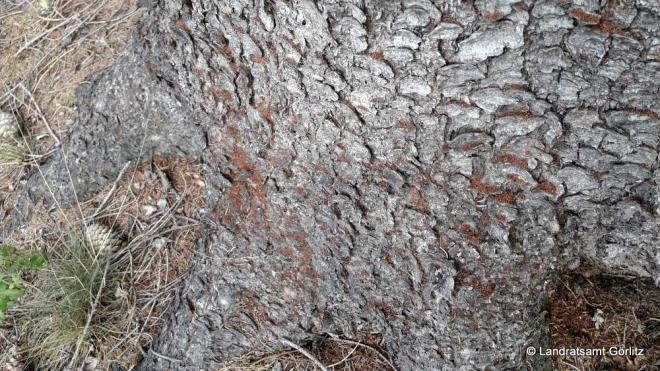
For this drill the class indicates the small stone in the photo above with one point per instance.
(598, 319)
(90, 364)
(8, 125)
(162, 204)
(149, 210)
(159, 243)
(120, 293)
(149, 175)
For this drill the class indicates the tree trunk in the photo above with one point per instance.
(417, 170)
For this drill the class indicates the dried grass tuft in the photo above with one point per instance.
(112, 269)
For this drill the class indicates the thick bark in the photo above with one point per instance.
(412, 169)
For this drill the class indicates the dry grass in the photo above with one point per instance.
(153, 208)
(593, 309)
(46, 52)
(324, 353)
(47, 48)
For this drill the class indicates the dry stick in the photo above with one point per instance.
(75, 194)
(75, 29)
(83, 21)
(130, 182)
(122, 19)
(120, 342)
(147, 318)
(92, 311)
(305, 353)
(267, 360)
(368, 347)
(345, 358)
(110, 194)
(52, 194)
(109, 29)
(154, 228)
(36, 38)
(41, 71)
(113, 17)
(11, 14)
(569, 365)
(164, 356)
(131, 275)
(41, 115)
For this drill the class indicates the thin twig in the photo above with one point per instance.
(40, 114)
(346, 357)
(164, 356)
(11, 14)
(92, 311)
(36, 38)
(305, 353)
(112, 191)
(569, 365)
(368, 347)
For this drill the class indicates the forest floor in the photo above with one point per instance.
(49, 47)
